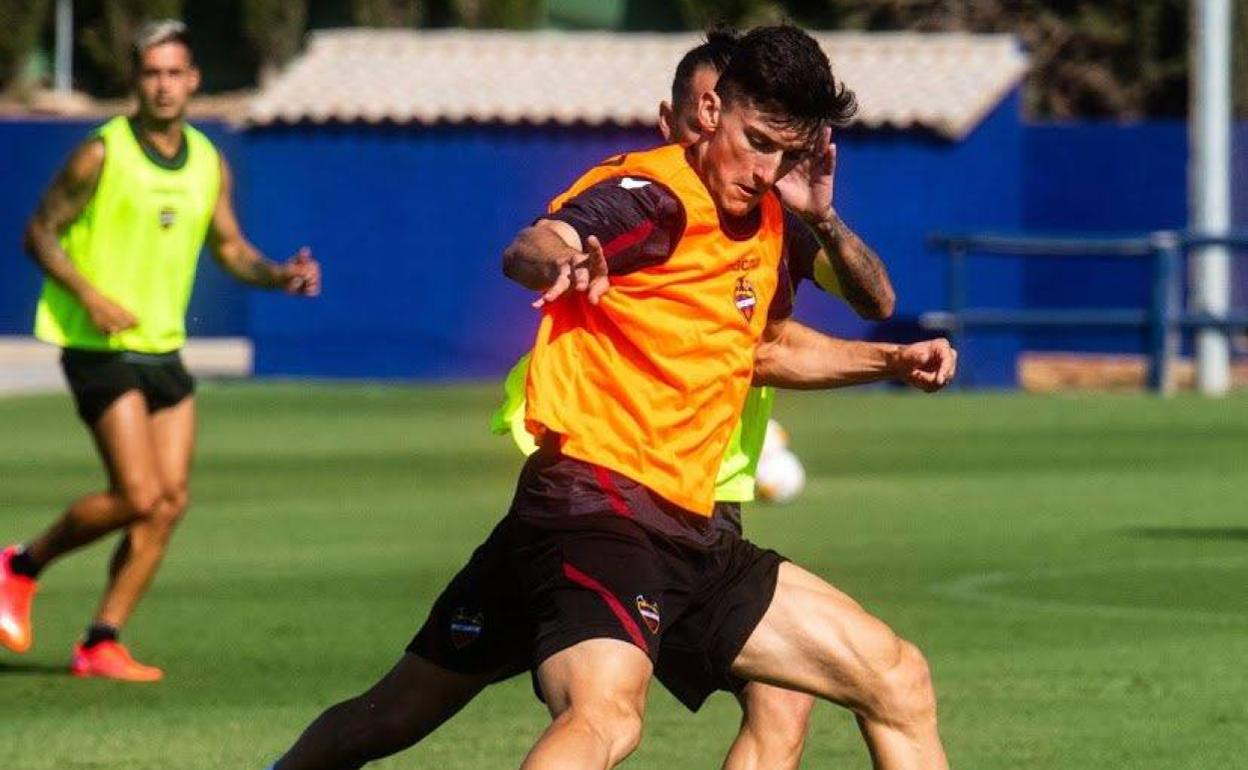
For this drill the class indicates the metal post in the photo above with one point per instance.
(1210, 185)
(1162, 312)
(957, 303)
(64, 72)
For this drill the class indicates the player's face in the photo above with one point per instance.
(679, 122)
(746, 153)
(166, 80)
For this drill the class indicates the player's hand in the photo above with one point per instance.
(929, 365)
(107, 316)
(301, 274)
(586, 273)
(807, 189)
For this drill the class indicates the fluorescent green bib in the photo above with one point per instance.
(137, 242)
(735, 483)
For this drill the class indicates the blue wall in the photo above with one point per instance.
(1099, 178)
(409, 223)
(30, 154)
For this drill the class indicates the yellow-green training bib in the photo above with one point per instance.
(137, 242)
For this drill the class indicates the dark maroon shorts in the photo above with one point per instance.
(581, 556)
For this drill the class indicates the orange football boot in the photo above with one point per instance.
(111, 660)
(16, 594)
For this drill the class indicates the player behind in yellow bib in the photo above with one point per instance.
(118, 236)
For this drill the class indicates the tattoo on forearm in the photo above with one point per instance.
(860, 271)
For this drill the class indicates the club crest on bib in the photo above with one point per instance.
(649, 612)
(466, 626)
(744, 297)
(168, 215)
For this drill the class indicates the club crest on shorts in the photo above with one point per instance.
(167, 217)
(744, 297)
(649, 612)
(466, 627)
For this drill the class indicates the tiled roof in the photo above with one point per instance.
(944, 82)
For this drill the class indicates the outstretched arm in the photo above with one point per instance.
(65, 200)
(301, 274)
(549, 257)
(797, 357)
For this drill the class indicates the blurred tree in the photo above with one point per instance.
(1109, 58)
(386, 13)
(740, 13)
(105, 34)
(275, 30)
(21, 21)
(1090, 58)
(498, 14)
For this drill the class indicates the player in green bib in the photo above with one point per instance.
(773, 731)
(118, 236)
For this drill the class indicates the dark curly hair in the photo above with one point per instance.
(781, 71)
(715, 53)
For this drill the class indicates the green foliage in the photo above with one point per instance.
(386, 13)
(22, 19)
(1118, 58)
(275, 30)
(106, 35)
(740, 13)
(499, 14)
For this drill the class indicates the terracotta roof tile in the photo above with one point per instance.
(945, 82)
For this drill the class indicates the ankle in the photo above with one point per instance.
(24, 564)
(98, 633)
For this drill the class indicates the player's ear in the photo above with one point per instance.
(193, 78)
(710, 109)
(665, 120)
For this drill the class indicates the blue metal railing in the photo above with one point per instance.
(1162, 319)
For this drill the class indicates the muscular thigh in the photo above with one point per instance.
(817, 639)
(173, 438)
(124, 441)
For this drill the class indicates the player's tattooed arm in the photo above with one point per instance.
(849, 267)
(67, 197)
(549, 257)
(301, 274)
(843, 264)
(797, 357)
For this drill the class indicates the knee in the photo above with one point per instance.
(778, 719)
(177, 501)
(158, 510)
(906, 694)
(143, 499)
(617, 724)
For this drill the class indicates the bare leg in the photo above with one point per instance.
(596, 692)
(121, 436)
(773, 729)
(171, 435)
(818, 640)
(410, 702)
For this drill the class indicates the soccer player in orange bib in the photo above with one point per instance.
(638, 374)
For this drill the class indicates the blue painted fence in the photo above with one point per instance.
(409, 223)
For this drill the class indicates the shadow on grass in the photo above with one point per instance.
(32, 669)
(1189, 533)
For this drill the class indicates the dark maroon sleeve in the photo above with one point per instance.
(782, 304)
(801, 246)
(637, 221)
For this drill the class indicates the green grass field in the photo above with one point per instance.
(1075, 568)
